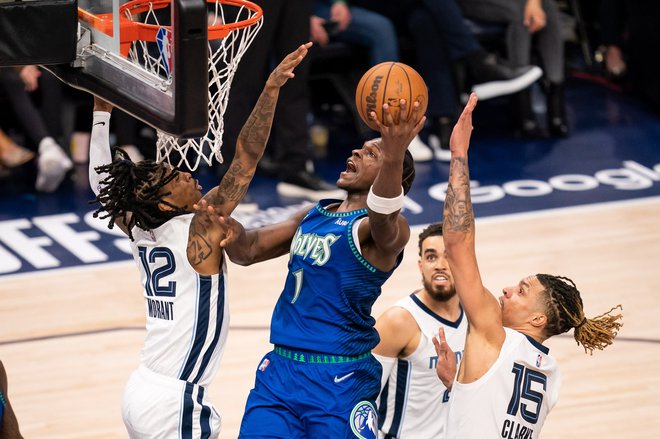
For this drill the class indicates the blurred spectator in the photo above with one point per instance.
(12, 155)
(442, 41)
(286, 26)
(613, 17)
(525, 19)
(52, 162)
(336, 21)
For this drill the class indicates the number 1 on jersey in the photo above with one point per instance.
(298, 275)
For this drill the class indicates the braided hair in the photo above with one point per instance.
(132, 193)
(564, 310)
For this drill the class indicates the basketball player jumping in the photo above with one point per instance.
(178, 252)
(321, 380)
(413, 402)
(507, 381)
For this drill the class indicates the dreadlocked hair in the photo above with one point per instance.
(434, 229)
(132, 193)
(564, 310)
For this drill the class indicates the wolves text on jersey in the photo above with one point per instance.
(313, 246)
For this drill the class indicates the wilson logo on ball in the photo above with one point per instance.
(371, 98)
(389, 82)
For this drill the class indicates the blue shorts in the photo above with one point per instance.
(299, 394)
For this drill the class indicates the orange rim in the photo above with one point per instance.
(133, 31)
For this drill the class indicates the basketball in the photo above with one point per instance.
(389, 82)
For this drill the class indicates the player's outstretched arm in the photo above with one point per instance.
(253, 137)
(204, 251)
(99, 149)
(388, 230)
(264, 243)
(99, 146)
(246, 247)
(481, 307)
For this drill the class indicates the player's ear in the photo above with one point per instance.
(539, 320)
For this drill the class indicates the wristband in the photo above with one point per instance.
(384, 206)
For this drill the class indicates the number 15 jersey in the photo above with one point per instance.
(512, 399)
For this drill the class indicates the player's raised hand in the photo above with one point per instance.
(398, 132)
(459, 142)
(446, 366)
(284, 71)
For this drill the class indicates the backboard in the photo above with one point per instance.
(171, 93)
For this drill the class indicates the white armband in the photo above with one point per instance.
(388, 365)
(99, 148)
(384, 206)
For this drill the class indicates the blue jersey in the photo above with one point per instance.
(330, 288)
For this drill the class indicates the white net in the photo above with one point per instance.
(224, 55)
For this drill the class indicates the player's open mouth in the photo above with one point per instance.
(350, 166)
(439, 278)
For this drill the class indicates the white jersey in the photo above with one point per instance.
(512, 399)
(187, 313)
(414, 402)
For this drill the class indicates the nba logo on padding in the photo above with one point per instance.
(165, 49)
(364, 421)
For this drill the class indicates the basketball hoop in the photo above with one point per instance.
(232, 26)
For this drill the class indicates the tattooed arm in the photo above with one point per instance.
(481, 307)
(253, 137)
(204, 252)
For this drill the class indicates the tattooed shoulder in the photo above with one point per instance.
(199, 243)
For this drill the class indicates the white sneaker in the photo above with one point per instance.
(493, 89)
(442, 154)
(419, 150)
(52, 165)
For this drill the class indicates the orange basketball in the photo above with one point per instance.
(389, 82)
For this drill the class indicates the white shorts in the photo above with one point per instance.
(156, 406)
